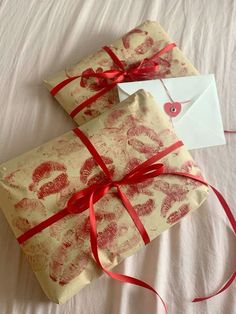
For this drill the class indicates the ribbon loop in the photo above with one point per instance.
(105, 81)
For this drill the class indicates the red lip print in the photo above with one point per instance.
(117, 119)
(37, 262)
(82, 232)
(64, 147)
(177, 215)
(114, 117)
(188, 166)
(145, 46)
(107, 235)
(164, 61)
(64, 195)
(90, 165)
(27, 204)
(54, 186)
(74, 269)
(45, 170)
(26, 207)
(101, 105)
(126, 37)
(140, 146)
(93, 84)
(63, 268)
(103, 216)
(10, 179)
(141, 187)
(21, 224)
(127, 244)
(174, 193)
(170, 134)
(37, 254)
(145, 208)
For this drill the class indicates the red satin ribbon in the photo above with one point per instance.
(86, 198)
(79, 201)
(107, 80)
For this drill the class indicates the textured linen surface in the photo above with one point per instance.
(38, 38)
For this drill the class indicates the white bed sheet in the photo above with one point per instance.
(40, 37)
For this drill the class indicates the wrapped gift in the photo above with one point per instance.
(46, 183)
(88, 88)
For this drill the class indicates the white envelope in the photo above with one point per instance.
(199, 122)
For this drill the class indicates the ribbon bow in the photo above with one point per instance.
(140, 71)
(107, 80)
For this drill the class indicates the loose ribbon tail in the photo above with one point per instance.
(117, 276)
(226, 285)
(231, 219)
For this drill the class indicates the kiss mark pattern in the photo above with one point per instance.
(63, 148)
(139, 145)
(142, 187)
(37, 254)
(30, 211)
(10, 178)
(177, 215)
(174, 193)
(119, 119)
(89, 166)
(64, 266)
(63, 196)
(138, 44)
(107, 235)
(145, 46)
(70, 254)
(30, 204)
(102, 104)
(44, 171)
(22, 224)
(126, 37)
(91, 83)
(145, 208)
(115, 117)
(63, 270)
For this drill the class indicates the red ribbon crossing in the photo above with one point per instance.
(84, 199)
(107, 80)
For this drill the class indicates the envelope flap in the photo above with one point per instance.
(204, 119)
(181, 89)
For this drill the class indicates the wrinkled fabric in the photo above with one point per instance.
(38, 38)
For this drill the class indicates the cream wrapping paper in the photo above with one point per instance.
(37, 184)
(140, 43)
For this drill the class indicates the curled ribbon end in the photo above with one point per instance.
(197, 300)
(226, 285)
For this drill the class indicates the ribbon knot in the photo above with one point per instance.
(105, 81)
(79, 201)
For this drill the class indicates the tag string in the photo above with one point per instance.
(185, 102)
